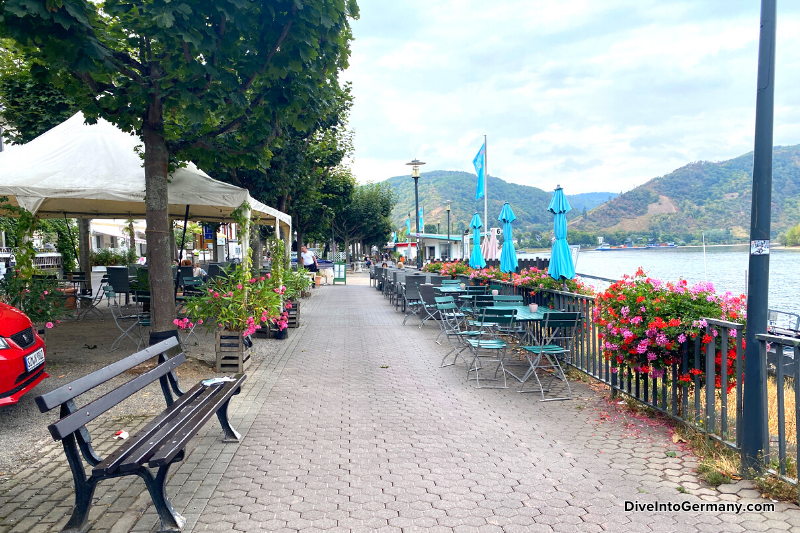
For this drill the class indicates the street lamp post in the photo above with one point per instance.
(415, 164)
(448, 232)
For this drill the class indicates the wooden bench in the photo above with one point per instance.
(157, 445)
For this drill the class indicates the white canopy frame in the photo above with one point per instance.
(79, 170)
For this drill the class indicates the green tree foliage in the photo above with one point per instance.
(28, 106)
(429, 228)
(793, 236)
(211, 81)
(366, 218)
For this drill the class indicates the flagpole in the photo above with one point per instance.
(485, 190)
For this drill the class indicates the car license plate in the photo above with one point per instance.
(35, 359)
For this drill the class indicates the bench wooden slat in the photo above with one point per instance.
(71, 390)
(112, 462)
(177, 443)
(89, 412)
(167, 429)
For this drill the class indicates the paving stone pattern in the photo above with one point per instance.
(333, 442)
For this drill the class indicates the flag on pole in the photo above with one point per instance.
(394, 236)
(408, 224)
(479, 163)
(421, 223)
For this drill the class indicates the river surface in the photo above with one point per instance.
(725, 266)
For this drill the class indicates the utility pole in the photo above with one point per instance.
(755, 432)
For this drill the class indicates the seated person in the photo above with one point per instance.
(198, 272)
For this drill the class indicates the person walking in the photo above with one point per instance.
(309, 260)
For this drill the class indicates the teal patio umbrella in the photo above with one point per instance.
(476, 258)
(508, 255)
(561, 266)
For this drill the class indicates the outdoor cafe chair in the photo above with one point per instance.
(553, 349)
(121, 319)
(489, 344)
(410, 279)
(452, 320)
(413, 302)
(508, 299)
(429, 312)
(436, 280)
(446, 282)
(192, 285)
(119, 280)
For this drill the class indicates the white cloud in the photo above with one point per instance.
(583, 93)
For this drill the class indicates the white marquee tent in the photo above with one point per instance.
(92, 171)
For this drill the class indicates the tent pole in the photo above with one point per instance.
(180, 252)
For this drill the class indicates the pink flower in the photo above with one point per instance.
(681, 338)
(49, 325)
(59, 322)
(200, 321)
(216, 295)
(288, 305)
(45, 292)
(176, 322)
(252, 280)
(239, 286)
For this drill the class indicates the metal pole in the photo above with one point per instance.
(754, 408)
(485, 190)
(448, 233)
(416, 201)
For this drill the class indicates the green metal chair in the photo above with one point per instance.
(555, 347)
(489, 344)
(452, 320)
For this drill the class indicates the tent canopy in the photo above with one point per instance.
(92, 171)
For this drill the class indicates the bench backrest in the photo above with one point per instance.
(74, 418)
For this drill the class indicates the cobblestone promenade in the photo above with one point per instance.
(333, 441)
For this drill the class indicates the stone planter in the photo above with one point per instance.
(234, 351)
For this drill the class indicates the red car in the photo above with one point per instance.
(21, 355)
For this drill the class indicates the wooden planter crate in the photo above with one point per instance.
(232, 354)
(294, 315)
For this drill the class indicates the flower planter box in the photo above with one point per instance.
(294, 315)
(233, 352)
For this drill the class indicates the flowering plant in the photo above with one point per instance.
(296, 281)
(454, 269)
(643, 322)
(434, 268)
(485, 275)
(237, 302)
(37, 296)
(536, 280)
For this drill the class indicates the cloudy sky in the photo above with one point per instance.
(592, 94)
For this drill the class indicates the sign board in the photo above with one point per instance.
(208, 233)
(339, 273)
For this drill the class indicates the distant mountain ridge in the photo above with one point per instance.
(437, 187)
(702, 196)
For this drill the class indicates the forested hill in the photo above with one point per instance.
(702, 196)
(437, 187)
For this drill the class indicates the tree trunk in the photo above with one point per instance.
(159, 230)
(346, 250)
(299, 239)
(84, 251)
(257, 246)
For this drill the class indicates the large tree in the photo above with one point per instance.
(195, 79)
(366, 218)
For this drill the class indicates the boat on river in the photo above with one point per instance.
(608, 248)
(663, 245)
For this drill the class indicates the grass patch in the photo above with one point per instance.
(775, 488)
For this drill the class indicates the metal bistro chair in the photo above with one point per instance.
(413, 301)
(192, 285)
(557, 339)
(511, 300)
(411, 280)
(119, 280)
(429, 311)
(437, 281)
(119, 319)
(489, 341)
(452, 320)
(450, 282)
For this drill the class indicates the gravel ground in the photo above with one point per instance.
(23, 429)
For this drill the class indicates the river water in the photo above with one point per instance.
(725, 266)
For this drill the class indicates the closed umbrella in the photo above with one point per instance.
(490, 246)
(561, 266)
(476, 258)
(508, 255)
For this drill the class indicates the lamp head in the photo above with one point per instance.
(415, 164)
